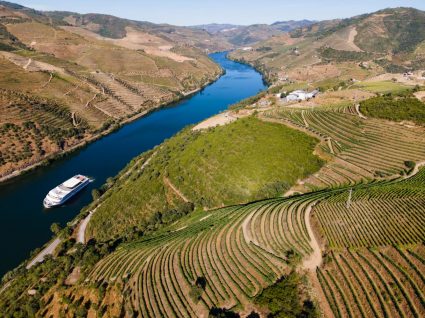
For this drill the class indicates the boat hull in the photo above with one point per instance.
(48, 204)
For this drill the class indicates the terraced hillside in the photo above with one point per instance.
(360, 244)
(377, 263)
(387, 41)
(380, 282)
(362, 149)
(100, 82)
(244, 161)
(236, 251)
(390, 214)
(215, 220)
(226, 257)
(33, 127)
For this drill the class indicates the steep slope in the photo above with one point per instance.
(202, 167)
(211, 37)
(387, 40)
(99, 80)
(118, 28)
(355, 232)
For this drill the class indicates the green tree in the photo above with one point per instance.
(55, 228)
(95, 194)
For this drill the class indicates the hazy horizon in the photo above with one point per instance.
(190, 12)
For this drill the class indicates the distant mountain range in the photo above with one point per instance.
(238, 35)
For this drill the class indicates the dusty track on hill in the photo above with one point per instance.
(314, 259)
(175, 190)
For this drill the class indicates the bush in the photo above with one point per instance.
(341, 56)
(410, 165)
(55, 228)
(95, 194)
(222, 313)
(282, 299)
(395, 107)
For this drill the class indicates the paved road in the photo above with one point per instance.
(82, 228)
(47, 251)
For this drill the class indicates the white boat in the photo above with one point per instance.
(65, 191)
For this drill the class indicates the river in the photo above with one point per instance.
(25, 224)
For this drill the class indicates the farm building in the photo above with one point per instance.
(301, 95)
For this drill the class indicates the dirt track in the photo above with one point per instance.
(315, 259)
(176, 191)
(218, 120)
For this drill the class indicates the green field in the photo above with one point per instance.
(244, 161)
(382, 87)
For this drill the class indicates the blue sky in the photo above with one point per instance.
(191, 12)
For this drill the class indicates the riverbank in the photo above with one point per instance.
(114, 127)
(21, 198)
(267, 81)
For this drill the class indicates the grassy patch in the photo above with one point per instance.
(382, 87)
(243, 161)
(396, 108)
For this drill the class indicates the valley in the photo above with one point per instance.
(98, 83)
(302, 199)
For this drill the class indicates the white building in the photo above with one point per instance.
(300, 95)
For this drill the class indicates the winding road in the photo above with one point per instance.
(46, 251)
(82, 228)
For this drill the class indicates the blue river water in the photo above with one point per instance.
(25, 224)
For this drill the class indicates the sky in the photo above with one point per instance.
(244, 12)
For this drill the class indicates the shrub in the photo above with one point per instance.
(341, 56)
(222, 313)
(395, 107)
(282, 299)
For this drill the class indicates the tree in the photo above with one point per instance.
(253, 314)
(222, 313)
(95, 193)
(55, 228)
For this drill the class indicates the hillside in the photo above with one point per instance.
(100, 82)
(275, 208)
(350, 223)
(386, 41)
(241, 162)
(118, 28)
